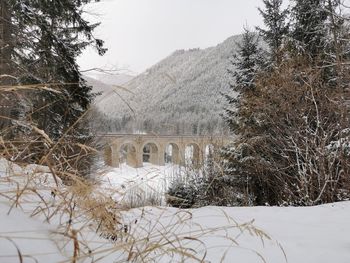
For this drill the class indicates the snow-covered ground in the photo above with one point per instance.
(40, 221)
(149, 181)
(304, 234)
(231, 234)
(152, 175)
(295, 234)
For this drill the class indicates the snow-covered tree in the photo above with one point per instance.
(291, 125)
(276, 27)
(320, 35)
(6, 99)
(48, 36)
(309, 32)
(338, 49)
(6, 41)
(245, 64)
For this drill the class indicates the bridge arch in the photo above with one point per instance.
(173, 153)
(151, 142)
(151, 152)
(208, 153)
(193, 154)
(209, 149)
(129, 153)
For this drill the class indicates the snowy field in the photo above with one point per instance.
(152, 176)
(245, 234)
(304, 234)
(314, 234)
(147, 181)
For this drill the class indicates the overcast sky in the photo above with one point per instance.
(139, 33)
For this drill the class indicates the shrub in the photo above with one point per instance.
(182, 194)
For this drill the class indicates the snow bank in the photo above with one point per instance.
(36, 223)
(30, 236)
(294, 234)
(212, 234)
(22, 237)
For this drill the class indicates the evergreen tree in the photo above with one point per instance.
(277, 27)
(49, 36)
(7, 100)
(320, 34)
(338, 48)
(247, 63)
(5, 40)
(309, 32)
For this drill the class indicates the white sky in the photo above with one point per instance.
(139, 33)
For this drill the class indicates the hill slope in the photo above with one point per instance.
(181, 94)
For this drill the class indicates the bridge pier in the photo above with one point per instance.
(156, 155)
(197, 155)
(114, 156)
(108, 155)
(196, 159)
(161, 155)
(134, 157)
(178, 156)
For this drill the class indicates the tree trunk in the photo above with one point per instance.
(5, 41)
(6, 47)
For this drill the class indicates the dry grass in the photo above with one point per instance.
(79, 210)
(141, 196)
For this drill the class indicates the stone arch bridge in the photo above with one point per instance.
(158, 149)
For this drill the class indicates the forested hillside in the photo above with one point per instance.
(182, 94)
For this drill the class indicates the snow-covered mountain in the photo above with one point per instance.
(181, 94)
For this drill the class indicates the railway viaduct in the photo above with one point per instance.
(158, 149)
